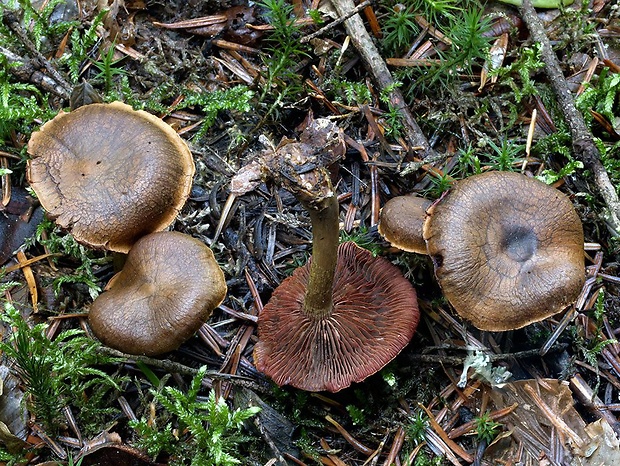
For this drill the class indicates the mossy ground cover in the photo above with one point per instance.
(233, 84)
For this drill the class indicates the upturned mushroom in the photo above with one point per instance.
(507, 249)
(345, 314)
(167, 289)
(109, 174)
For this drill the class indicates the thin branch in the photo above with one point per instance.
(177, 368)
(583, 142)
(12, 22)
(381, 74)
(335, 23)
(459, 360)
(27, 71)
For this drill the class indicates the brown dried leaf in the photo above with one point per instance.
(246, 179)
(12, 417)
(496, 58)
(107, 449)
(18, 222)
(232, 23)
(546, 424)
(603, 446)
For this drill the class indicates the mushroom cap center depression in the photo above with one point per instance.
(511, 239)
(519, 243)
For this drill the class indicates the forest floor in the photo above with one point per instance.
(426, 93)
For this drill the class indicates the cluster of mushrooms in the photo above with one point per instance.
(507, 248)
(116, 178)
(502, 257)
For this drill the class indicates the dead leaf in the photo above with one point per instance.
(12, 417)
(495, 60)
(547, 425)
(18, 221)
(247, 178)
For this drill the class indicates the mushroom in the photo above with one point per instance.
(401, 221)
(345, 314)
(109, 174)
(507, 250)
(168, 288)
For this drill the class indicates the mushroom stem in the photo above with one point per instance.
(305, 170)
(318, 302)
(344, 315)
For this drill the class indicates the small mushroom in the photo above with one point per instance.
(168, 288)
(507, 250)
(110, 174)
(344, 315)
(401, 222)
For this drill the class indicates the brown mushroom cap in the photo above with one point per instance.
(375, 315)
(110, 174)
(167, 289)
(401, 222)
(507, 249)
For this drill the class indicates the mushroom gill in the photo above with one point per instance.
(371, 321)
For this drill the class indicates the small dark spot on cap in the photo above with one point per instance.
(437, 260)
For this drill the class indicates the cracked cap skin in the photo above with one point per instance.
(507, 249)
(109, 174)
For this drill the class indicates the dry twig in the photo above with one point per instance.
(178, 368)
(27, 71)
(12, 22)
(583, 142)
(381, 74)
(335, 23)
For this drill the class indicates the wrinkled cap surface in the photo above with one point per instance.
(375, 315)
(401, 222)
(508, 250)
(167, 289)
(110, 174)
